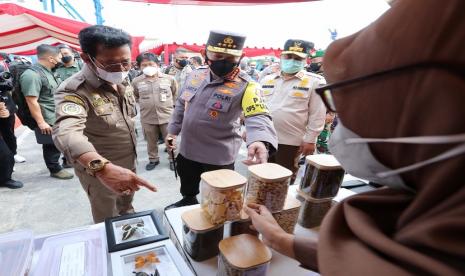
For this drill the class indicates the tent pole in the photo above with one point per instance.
(52, 5)
(44, 5)
(167, 55)
(98, 12)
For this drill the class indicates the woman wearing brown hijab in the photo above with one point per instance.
(416, 224)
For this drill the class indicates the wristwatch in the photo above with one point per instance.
(96, 165)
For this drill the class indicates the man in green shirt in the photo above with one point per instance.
(70, 65)
(38, 85)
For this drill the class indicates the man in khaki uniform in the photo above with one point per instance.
(298, 113)
(95, 122)
(156, 93)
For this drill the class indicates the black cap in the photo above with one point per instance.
(298, 47)
(226, 43)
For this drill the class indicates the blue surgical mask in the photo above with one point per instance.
(291, 66)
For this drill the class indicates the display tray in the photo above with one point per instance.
(16, 250)
(75, 253)
(133, 230)
(155, 259)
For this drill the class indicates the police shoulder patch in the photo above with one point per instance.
(252, 102)
(72, 109)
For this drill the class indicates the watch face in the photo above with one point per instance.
(94, 164)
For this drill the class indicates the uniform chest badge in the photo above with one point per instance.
(298, 94)
(194, 82)
(272, 81)
(218, 105)
(304, 82)
(225, 91)
(213, 114)
(231, 85)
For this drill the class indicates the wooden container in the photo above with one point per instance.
(313, 211)
(288, 216)
(323, 176)
(243, 255)
(268, 185)
(200, 237)
(222, 195)
(242, 226)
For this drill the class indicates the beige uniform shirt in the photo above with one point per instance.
(93, 117)
(298, 112)
(156, 97)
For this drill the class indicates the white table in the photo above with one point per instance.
(280, 265)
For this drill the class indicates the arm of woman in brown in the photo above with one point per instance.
(302, 249)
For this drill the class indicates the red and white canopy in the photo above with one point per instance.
(218, 2)
(22, 30)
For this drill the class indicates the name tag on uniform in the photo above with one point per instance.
(301, 88)
(163, 97)
(267, 92)
(222, 97)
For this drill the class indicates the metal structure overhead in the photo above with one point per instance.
(69, 8)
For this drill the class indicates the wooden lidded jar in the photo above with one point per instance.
(288, 216)
(222, 195)
(323, 176)
(242, 226)
(243, 255)
(313, 211)
(200, 237)
(268, 184)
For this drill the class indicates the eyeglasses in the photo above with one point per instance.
(114, 67)
(326, 91)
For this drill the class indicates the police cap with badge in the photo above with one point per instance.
(226, 43)
(297, 47)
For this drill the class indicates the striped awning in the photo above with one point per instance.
(219, 2)
(22, 30)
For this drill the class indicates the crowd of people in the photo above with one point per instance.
(281, 113)
(414, 224)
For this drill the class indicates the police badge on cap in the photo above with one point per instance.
(298, 47)
(226, 43)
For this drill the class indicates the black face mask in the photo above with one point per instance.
(66, 59)
(221, 67)
(315, 67)
(182, 62)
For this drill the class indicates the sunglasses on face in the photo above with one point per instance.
(114, 67)
(326, 92)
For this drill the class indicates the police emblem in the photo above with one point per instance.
(71, 109)
(213, 114)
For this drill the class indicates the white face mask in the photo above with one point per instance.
(111, 77)
(355, 156)
(150, 71)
